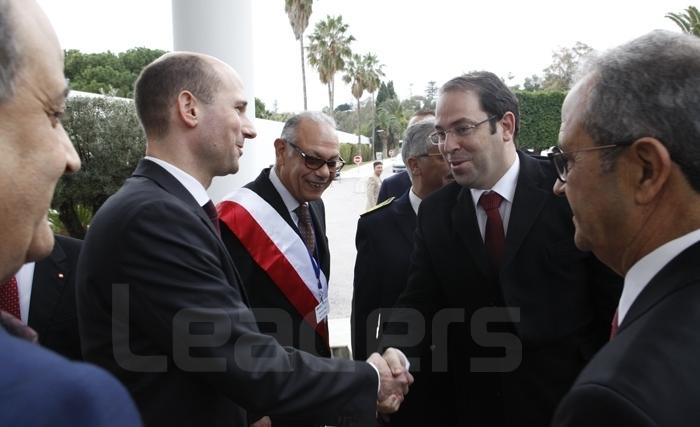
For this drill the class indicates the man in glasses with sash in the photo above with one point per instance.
(276, 233)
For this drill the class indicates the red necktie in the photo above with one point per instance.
(9, 297)
(614, 326)
(306, 228)
(494, 237)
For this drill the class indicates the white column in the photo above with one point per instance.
(223, 28)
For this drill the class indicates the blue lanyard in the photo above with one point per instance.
(317, 271)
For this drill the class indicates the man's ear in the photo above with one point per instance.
(508, 125)
(280, 146)
(412, 165)
(188, 108)
(651, 163)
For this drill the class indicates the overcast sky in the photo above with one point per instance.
(417, 41)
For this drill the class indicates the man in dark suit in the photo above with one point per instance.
(37, 386)
(46, 290)
(633, 183)
(384, 243)
(160, 302)
(514, 309)
(307, 157)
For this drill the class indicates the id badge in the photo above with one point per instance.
(322, 311)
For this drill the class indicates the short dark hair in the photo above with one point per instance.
(378, 162)
(162, 80)
(494, 96)
(648, 87)
(9, 52)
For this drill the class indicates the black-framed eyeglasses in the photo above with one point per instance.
(439, 136)
(430, 155)
(564, 161)
(315, 163)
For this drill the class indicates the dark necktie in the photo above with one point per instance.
(9, 297)
(210, 209)
(614, 326)
(494, 237)
(306, 228)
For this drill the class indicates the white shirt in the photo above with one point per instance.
(415, 200)
(289, 201)
(25, 277)
(194, 187)
(641, 273)
(505, 187)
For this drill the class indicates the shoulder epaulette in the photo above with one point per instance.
(379, 206)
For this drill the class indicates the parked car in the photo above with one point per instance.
(398, 165)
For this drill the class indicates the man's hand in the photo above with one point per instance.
(262, 422)
(15, 327)
(394, 379)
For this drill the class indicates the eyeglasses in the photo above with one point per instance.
(314, 163)
(563, 162)
(439, 136)
(429, 155)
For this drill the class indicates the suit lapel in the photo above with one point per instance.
(169, 183)
(467, 229)
(679, 272)
(47, 286)
(531, 195)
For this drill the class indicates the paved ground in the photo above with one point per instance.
(345, 200)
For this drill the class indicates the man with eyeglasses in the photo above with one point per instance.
(384, 242)
(513, 309)
(286, 278)
(629, 164)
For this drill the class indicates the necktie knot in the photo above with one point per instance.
(306, 227)
(490, 200)
(210, 210)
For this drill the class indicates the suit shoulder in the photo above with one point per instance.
(379, 207)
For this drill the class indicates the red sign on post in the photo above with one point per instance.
(357, 159)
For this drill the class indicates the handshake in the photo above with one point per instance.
(394, 379)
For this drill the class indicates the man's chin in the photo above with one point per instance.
(42, 242)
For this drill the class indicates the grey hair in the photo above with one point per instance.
(9, 52)
(648, 87)
(289, 131)
(415, 140)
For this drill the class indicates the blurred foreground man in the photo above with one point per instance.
(38, 387)
(160, 302)
(629, 164)
(514, 311)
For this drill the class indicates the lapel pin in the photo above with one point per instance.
(60, 275)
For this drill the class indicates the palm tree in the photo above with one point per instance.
(391, 119)
(355, 75)
(299, 12)
(329, 48)
(373, 75)
(688, 21)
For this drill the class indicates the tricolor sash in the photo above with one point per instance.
(279, 251)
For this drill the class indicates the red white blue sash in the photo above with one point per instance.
(279, 251)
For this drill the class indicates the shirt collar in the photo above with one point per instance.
(505, 186)
(641, 273)
(289, 201)
(415, 200)
(194, 187)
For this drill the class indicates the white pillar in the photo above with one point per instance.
(223, 28)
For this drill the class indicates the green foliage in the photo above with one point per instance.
(329, 49)
(106, 72)
(559, 75)
(540, 117)
(386, 91)
(348, 151)
(689, 21)
(109, 140)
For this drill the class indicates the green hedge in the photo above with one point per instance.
(540, 117)
(348, 151)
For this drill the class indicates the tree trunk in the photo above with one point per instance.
(303, 69)
(330, 100)
(359, 139)
(374, 127)
(70, 220)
